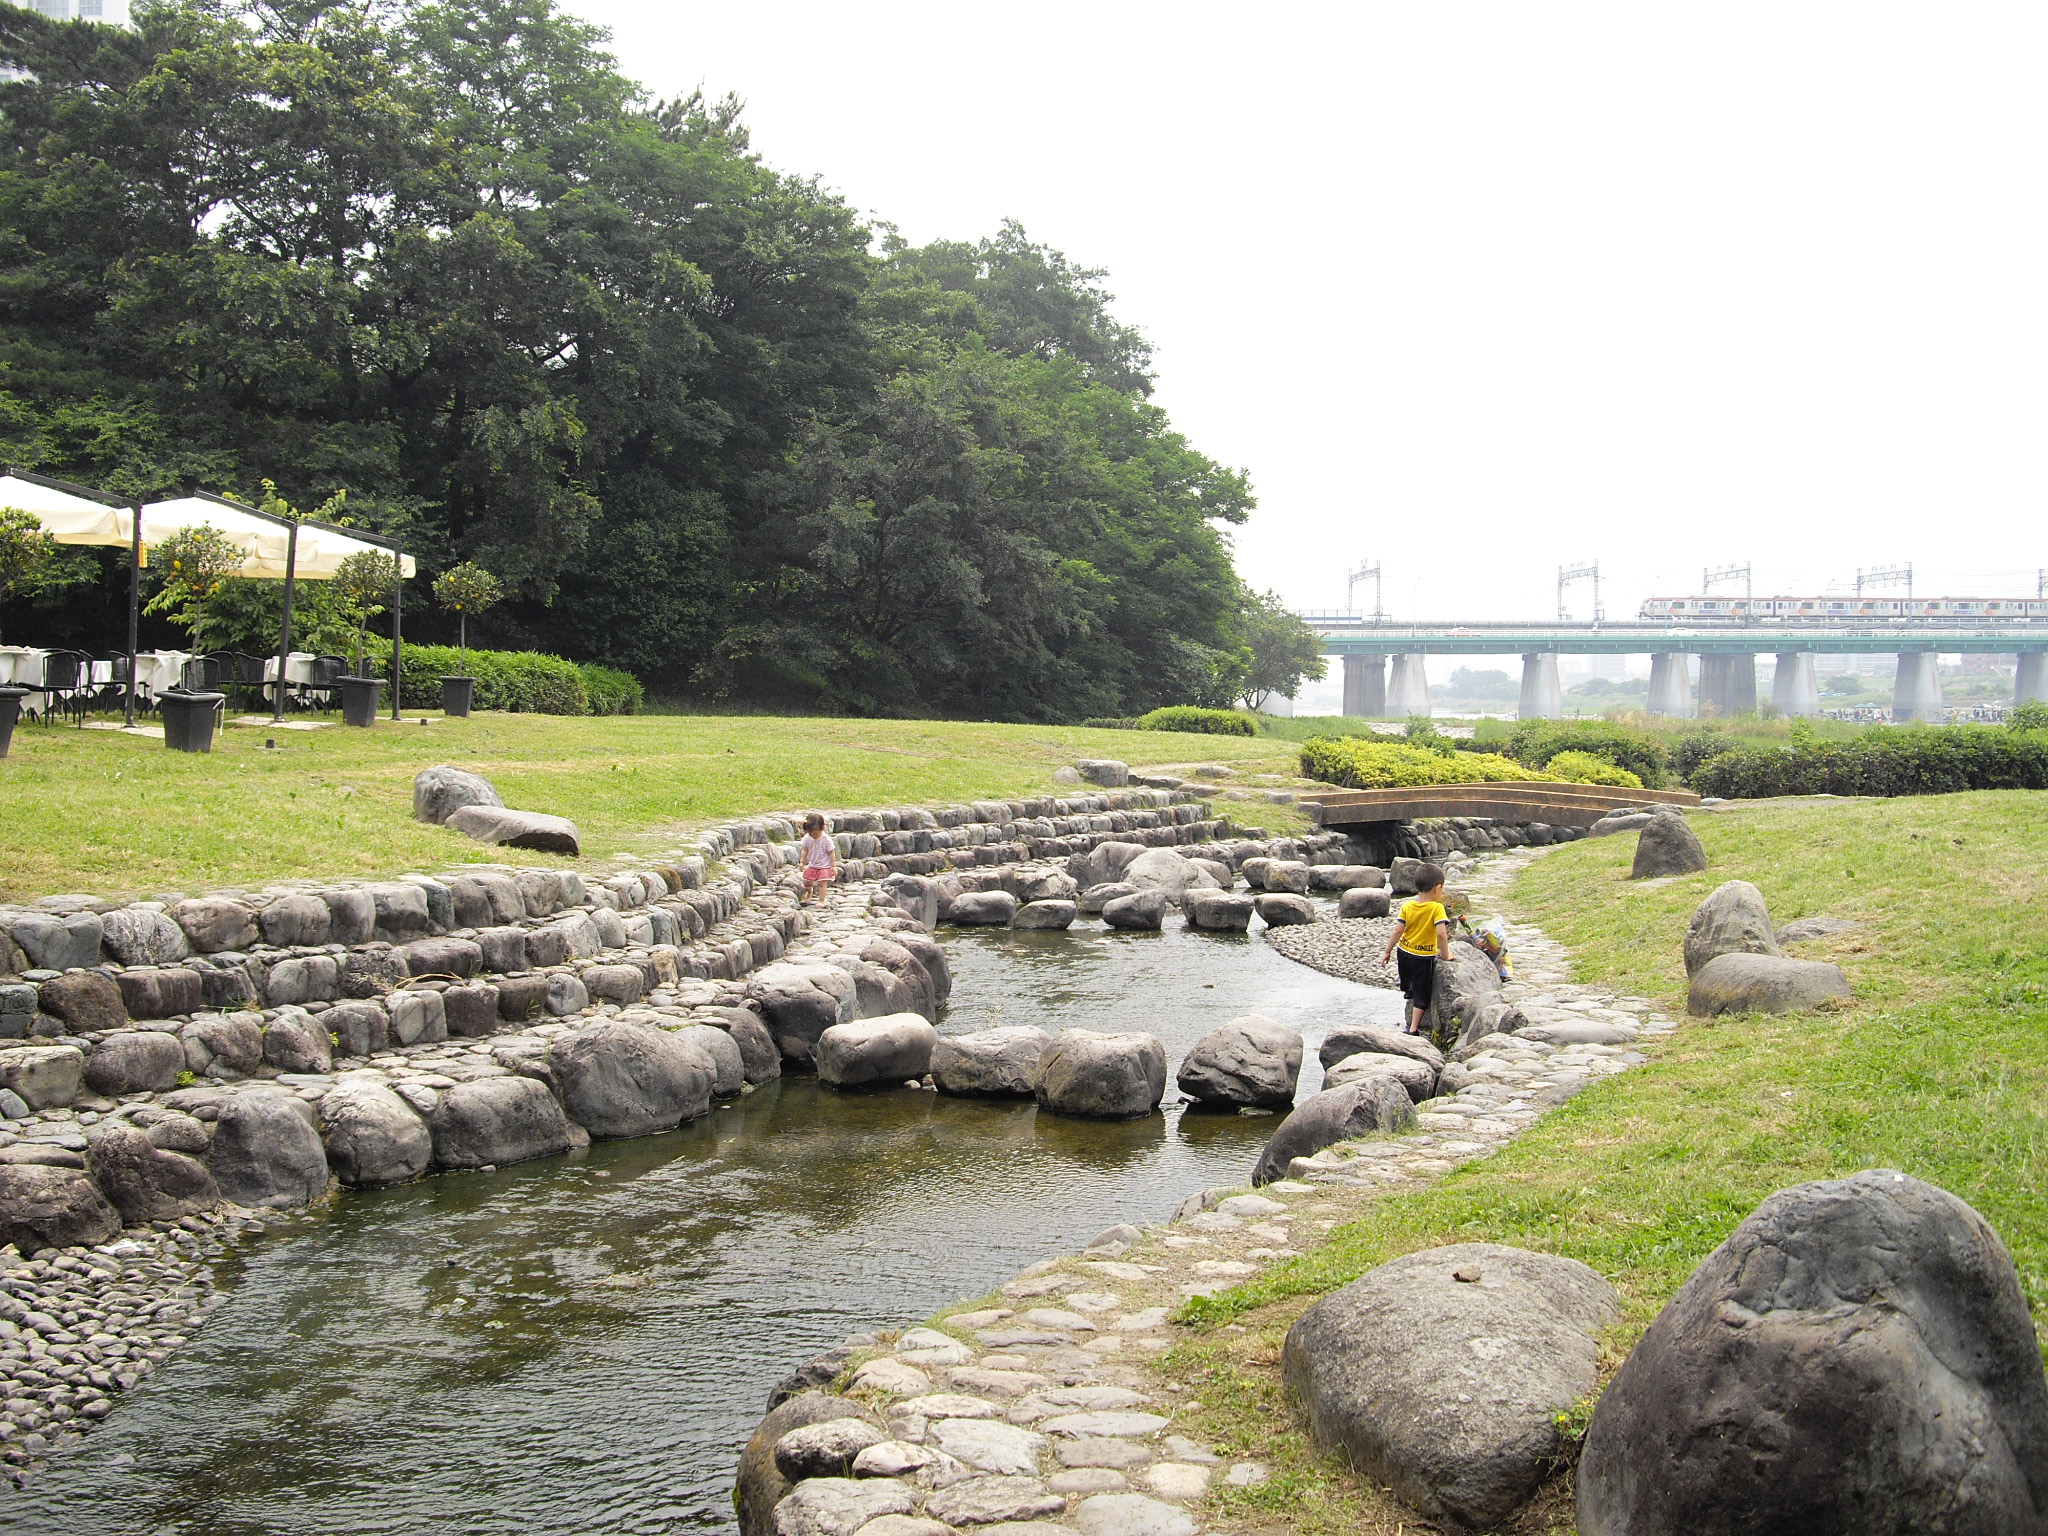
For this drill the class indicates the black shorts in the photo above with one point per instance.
(1418, 976)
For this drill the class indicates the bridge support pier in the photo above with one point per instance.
(1795, 689)
(1408, 690)
(1916, 691)
(1365, 687)
(1727, 685)
(2030, 680)
(1542, 698)
(1670, 685)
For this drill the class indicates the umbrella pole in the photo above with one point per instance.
(284, 645)
(397, 628)
(134, 598)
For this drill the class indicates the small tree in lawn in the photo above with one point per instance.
(362, 585)
(26, 554)
(467, 588)
(194, 562)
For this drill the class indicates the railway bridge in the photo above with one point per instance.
(1385, 666)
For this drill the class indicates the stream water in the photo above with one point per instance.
(583, 1343)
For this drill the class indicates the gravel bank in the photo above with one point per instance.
(1348, 948)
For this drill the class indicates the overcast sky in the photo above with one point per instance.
(1475, 290)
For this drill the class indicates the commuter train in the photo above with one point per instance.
(1849, 609)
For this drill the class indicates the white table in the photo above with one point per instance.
(22, 664)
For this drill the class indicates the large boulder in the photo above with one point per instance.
(1167, 871)
(990, 1063)
(1732, 921)
(54, 943)
(622, 1078)
(1106, 772)
(760, 1485)
(925, 950)
(1216, 911)
(135, 1061)
(1667, 846)
(149, 993)
(899, 962)
(1104, 864)
(1370, 1106)
(1442, 1374)
(1466, 981)
(1364, 901)
(438, 793)
(982, 909)
(145, 936)
(265, 1151)
(223, 1044)
(1102, 1076)
(52, 1208)
(728, 1062)
(85, 1000)
(873, 1052)
(1280, 909)
(518, 829)
(1046, 915)
(1856, 1360)
(1046, 885)
(1286, 876)
(374, 1136)
(214, 923)
(759, 1058)
(841, 1506)
(1251, 1061)
(1745, 983)
(299, 919)
(496, 1120)
(1417, 1078)
(1141, 911)
(1347, 1040)
(145, 1182)
(801, 1002)
(42, 1076)
(1346, 877)
(298, 1042)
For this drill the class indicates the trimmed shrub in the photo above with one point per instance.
(1206, 722)
(612, 692)
(1585, 768)
(1124, 723)
(1356, 763)
(1533, 743)
(524, 682)
(2030, 716)
(1695, 747)
(1916, 760)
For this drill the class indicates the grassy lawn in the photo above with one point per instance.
(1939, 1068)
(119, 816)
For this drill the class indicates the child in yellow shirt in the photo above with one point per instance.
(1424, 935)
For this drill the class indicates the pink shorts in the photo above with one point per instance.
(817, 874)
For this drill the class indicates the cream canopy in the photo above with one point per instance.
(66, 518)
(264, 540)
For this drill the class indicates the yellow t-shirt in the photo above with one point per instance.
(1418, 925)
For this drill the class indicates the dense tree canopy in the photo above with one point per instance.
(699, 421)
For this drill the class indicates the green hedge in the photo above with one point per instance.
(524, 682)
(1585, 768)
(1918, 760)
(1357, 763)
(1533, 743)
(1208, 722)
(1115, 723)
(611, 691)
(1695, 747)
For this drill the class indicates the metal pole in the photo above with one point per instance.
(284, 645)
(134, 598)
(397, 627)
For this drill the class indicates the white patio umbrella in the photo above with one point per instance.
(66, 516)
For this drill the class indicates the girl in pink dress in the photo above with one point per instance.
(819, 857)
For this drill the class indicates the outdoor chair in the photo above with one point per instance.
(243, 675)
(66, 685)
(206, 674)
(318, 692)
(113, 693)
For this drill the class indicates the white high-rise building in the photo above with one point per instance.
(82, 10)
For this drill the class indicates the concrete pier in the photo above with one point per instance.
(1728, 685)
(1795, 689)
(1365, 687)
(1542, 697)
(1670, 685)
(1408, 688)
(2030, 681)
(1916, 691)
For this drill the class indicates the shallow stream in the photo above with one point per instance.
(583, 1343)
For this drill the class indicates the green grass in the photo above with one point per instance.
(119, 816)
(1938, 1068)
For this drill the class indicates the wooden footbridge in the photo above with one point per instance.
(1558, 805)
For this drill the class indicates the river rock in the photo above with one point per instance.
(1364, 902)
(135, 1061)
(1170, 873)
(1733, 920)
(351, 916)
(298, 919)
(1417, 1079)
(759, 1487)
(297, 1042)
(42, 1076)
(1465, 983)
(1143, 911)
(1102, 1076)
(899, 962)
(622, 1078)
(1096, 897)
(439, 792)
(147, 1183)
(518, 829)
(1745, 983)
(52, 1208)
(85, 1000)
(1106, 772)
(982, 909)
(144, 936)
(926, 951)
(1103, 864)
(565, 995)
(1131, 1514)
(877, 992)
(1333, 878)
(362, 1028)
(728, 1064)
(824, 1450)
(1046, 885)
(265, 1151)
(55, 943)
(1856, 1360)
(1279, 909)
(1251, 1061)
(873, 1052)
(374, 1136)
(1347, 1040)
(800, 1003)
(1370, 1106)
(470, 1012)
(758, 1055)
(988, 1445)
(443, 959)
(839, 1506)
(615, 983)
(373, 971)
(1286, 877)
(223, 1043)
(498, 1120)
(1046, 915)
(1667, 846)
(1442, 1373)
(1401, 875)
(989, 1501)
(150, 993)
(1217, 911)
(990, 1063)
(213, 923)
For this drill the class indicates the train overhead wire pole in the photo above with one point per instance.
(1567, 575)
(1886, 576)
(1728, 573)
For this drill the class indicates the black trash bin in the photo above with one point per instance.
(359, 696)
(189, 719)
(10, 711)
(456, 692)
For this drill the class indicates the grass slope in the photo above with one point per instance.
(119, 816)
(1939, 1068)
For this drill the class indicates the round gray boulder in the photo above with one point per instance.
(1217, 911)
(1368, 1107)
(990, 1063)
(135, 1061)
(1282, 909)
(297, 1042)
(374, 1136)
(1667, 846)
(759, 1058)
(824, 1450)
(144, 936)
(1102, 1076)
(438, 793)
(496, 1120)
(760, 1485)
(1046, 915)
(1364, 902)
(52, 1208)
(801, 1002)
(727, 1059)
(1167, 871)
(265, 1151)
(1417, 1078)
(145, 1182)
(1251, 1061)
(1745, 983)
(982, 909)
(1096, 897)
(1732, 921)
(1142, 911)
(622, 1078)
(876, 1052)
(1347, 1040)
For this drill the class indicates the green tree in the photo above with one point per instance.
(193, 564)
(362, 586)
(1285, 649)
(468, 589)
(27, 555)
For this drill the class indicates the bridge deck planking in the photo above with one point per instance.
(1561, 805)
